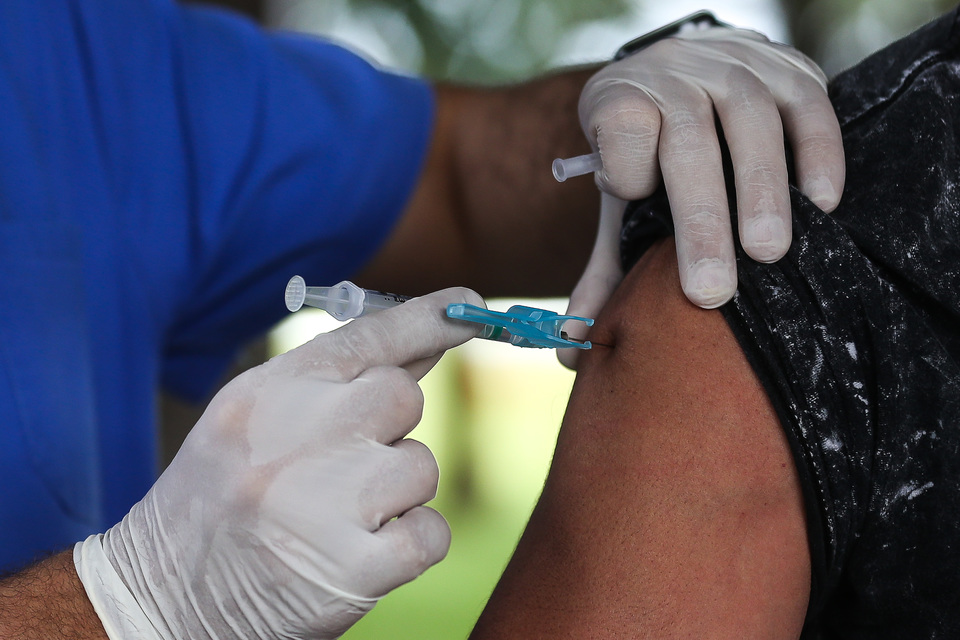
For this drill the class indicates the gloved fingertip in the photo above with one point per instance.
(433, 533)
(710, 284)
(577, 307)
(822, 192)
(766, 239)
(569, 358)
(464, 295)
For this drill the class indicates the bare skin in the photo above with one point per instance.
(47, 602)
(672, 508)
(487, 212)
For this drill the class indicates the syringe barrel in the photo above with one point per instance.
(343, 301)
(379, 300)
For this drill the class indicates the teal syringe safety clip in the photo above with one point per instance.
(521, 326)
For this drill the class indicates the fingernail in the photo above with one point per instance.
(710, 284)
(766, 239)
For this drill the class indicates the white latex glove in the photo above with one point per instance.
(651, 116)
(276, 518)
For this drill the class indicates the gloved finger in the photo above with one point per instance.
(387, 404)
(420, 368)
(406, 478)
(813, 131)
(409, 545)
(416, 330)
(751, 124)
(599, 279)
(298, 413)
(808, 119)
(693, 177)
(622, 121)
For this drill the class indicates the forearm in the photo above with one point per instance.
(487, 212)
(46, 601)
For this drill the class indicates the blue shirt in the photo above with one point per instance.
(163, 171)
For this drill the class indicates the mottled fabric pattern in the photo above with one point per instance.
(855, 335)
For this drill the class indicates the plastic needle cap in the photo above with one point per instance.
(576, 166)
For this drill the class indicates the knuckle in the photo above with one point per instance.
(338, 351)
(348, 349)
(817, 144)
(412, 553)
(397, 391)
(752, 108)
(421, 459)
(806, 94)
(689, 134)
(760, 172)
(628, 134)
(669, 50)
(633, 112)
(813, 73)
(426, 543)
(231, 407)
(704, 221)
(741, 79)
(615, 96)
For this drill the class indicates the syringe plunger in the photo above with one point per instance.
(344, 300)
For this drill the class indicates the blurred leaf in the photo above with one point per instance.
(838, 33)
(495, 40)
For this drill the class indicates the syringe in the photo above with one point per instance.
(344, 300)
(520, 326)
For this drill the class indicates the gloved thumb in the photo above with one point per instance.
(600, 278)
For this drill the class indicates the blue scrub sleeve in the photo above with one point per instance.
(164, 169)
(303, 157)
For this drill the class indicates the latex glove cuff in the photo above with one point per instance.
(120, 613)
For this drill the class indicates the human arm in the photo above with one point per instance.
(672, 507)
(486, 212)
(46, 601)
(651, 115)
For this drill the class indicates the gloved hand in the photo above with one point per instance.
(651, 115)
(276, 518)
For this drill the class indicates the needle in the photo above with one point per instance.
(563, 334)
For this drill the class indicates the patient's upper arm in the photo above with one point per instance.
(672, 508)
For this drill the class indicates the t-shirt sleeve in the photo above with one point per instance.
(215, 159)
(304, 156)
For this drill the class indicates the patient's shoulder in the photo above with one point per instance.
(672, 508)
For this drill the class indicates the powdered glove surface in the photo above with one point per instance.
(652, 115)
(601, 276)
(278, 517)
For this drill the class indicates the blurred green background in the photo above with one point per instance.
(493, 411)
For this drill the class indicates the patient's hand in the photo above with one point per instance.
(672, 508)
